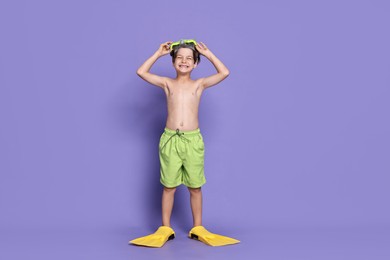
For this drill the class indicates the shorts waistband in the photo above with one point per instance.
(185, 133)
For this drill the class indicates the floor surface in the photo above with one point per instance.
(260, 243)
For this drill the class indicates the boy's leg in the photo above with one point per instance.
(196, 205)
(167, 205)
(170, 172)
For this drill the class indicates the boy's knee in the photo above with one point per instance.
(194, 190)
(169, 190)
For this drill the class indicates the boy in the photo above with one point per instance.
(181, 148)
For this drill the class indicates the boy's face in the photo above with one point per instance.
(184, 61)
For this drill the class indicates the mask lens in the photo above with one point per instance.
(181, 42)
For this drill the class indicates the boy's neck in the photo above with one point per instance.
(183, 77)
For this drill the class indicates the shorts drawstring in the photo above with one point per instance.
(178, 134)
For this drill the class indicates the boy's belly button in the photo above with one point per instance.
(181, 124)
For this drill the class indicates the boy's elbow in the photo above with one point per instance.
(140, 73)
(226, 73)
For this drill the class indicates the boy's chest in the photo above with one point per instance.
(180, 92)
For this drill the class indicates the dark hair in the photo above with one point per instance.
(191, 46)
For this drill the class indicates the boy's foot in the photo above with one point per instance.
(211, 239)
(157, 239)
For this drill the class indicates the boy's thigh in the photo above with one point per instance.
(193, 174)
(170, 167)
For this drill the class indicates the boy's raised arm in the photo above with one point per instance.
(143, 71)
(222, 71)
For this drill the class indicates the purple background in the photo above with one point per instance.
(297, 137)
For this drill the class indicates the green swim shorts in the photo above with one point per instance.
(181, 158)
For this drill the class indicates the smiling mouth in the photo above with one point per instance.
(183, 66)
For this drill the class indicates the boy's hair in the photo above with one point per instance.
(191, 46)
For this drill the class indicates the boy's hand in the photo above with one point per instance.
(202, 48)
(164, 48)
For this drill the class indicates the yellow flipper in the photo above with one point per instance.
(157, 239)
(211, 239)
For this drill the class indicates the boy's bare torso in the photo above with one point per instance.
(183, 94)
(183, 98)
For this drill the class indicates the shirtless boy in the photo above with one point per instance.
(181, 147)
